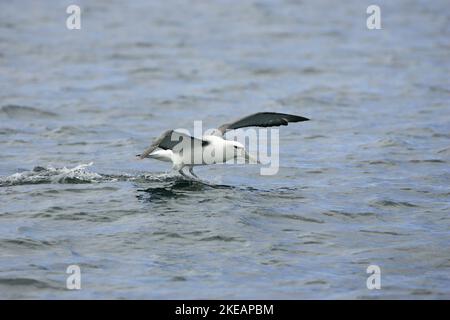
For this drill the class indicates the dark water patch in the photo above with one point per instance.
(441, 135)
(26, 243)
(57, 213)
(144, 44)
(156, 194)
(418, 190)
(54, 209)
(72, 216)
(311, 70)
(58, 191)
(28, 282)
(176, 188)
(75, 216)
(274, 262)
(9, 131)
(337, 213)
(267, 71)
(124, 56)
(292, 217)
(25, 112)
(294, 250)
(168, 234)
(39, 169)
(421, 292)
(439, 89)
(189, 185)
(390, 203)
(427, 161)
(178, 278)
(87, 190)
(317, 235)
(315, 136)
(316, 282)
(381, 162)
(196, 233)
(74, 144)
(222, 238)
(315, 171)
(288, 189)
(312, 242)
(391, 233)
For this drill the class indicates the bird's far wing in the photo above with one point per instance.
(169, 140)
(262, 119)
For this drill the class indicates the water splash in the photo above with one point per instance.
(78, 174)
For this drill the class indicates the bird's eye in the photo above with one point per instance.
(235, 147)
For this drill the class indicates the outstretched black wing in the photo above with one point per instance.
(262, 119)
(169, 140)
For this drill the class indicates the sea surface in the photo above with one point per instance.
(365, 182)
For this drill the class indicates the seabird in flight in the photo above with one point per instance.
(186, 151)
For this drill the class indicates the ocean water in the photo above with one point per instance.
(365, 182)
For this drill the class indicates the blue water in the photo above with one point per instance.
(365, 182)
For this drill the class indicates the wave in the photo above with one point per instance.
(16, 111)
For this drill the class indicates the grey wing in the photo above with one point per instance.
(262, 119)
(169, 140)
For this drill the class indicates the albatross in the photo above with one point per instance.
(185, 151)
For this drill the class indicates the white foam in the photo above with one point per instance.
(78, 174)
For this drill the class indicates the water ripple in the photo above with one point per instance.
(25, 112)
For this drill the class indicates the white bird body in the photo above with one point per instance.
(186, 151)
(162, 155)
(218, 150)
